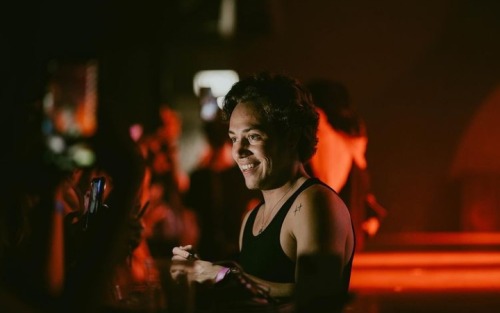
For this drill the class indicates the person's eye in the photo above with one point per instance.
(233, 139)
(254, 137)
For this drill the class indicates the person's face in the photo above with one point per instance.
(260, 154)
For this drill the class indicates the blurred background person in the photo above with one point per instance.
(47, 266)
(340, 159)
(168, 222)
(131, 266)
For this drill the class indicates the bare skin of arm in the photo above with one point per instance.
(318, 222)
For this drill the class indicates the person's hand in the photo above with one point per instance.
(186, 263)
(184, 253)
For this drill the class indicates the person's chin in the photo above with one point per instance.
(251, 184)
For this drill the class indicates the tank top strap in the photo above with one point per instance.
(251, 218)
(288, 204)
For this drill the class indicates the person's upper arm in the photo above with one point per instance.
(322, 223)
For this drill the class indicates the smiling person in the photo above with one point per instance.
(272, 127)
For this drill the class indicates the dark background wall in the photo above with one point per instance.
(417, 71)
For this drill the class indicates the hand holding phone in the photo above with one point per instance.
(95, 200)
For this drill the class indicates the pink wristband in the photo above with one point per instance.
(221, 274)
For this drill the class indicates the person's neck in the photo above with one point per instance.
(274, 199)
(281, 193)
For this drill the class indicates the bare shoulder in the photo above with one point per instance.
(319, 199)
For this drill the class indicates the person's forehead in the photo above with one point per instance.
(247, 113)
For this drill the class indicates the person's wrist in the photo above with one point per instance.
(221, 274)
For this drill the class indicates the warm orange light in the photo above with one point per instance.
(426, 271)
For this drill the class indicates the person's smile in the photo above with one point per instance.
(248, 167)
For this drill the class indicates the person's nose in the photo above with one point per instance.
(240, 148)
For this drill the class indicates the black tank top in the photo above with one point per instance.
(262, 255)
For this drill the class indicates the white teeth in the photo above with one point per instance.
(247, 166)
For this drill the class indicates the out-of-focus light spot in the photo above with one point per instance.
(220, 102)
(56, 144)
(209, 111)
(48, 103)
(82, 155)
(219, 81)
(68, 124)
(47, 127)
(227, 18)
(135, 132)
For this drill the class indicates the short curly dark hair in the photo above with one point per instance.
(284, 102)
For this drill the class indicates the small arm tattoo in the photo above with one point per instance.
(297, 208)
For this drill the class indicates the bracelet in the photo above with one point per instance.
(221, 274)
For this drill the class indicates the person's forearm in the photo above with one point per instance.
(276, 290)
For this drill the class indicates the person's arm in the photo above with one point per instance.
(276, 290)
(321, 224)
(206, 272)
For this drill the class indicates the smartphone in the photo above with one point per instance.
(95, 201)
